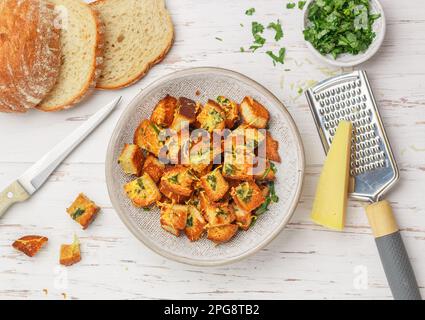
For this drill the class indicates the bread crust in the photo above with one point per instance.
(96, 67)
(29, 53)
(144, 71)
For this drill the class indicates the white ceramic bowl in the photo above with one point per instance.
(349, 60)
(208, 83)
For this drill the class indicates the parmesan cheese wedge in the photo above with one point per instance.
(331, 194)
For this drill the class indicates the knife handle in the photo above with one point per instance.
(392, 252)
(13, 193)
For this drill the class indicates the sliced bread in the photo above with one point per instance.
(29, 53)
(138, 34)
(82, 49)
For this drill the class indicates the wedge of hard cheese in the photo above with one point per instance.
(331, 193)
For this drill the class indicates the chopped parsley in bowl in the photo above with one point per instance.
(344, 32)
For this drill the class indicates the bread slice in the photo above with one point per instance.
(139, 33)
(82, 50)
(29, 53)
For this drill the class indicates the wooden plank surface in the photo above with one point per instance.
(305, 261)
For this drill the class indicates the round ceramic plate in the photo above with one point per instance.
(200, 84)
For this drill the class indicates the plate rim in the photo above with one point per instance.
(131, 105)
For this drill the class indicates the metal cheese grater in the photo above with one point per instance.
(373, 167)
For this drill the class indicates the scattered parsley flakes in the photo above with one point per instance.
(250, 11)
(277, 58)
(337, 27)
(290, 5)
(242, 49)
(241, 24)
(276, 26)
(219, 39)
(257, 29)
(301, 4)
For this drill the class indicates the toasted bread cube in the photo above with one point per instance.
(30, 245)
(238, 165)
(247, 195)
(215, 185)
(201, 156)
(195, 224)
(272, 148)
(70, 253)
(231, 110)
(173, 218)
(221, 234)
(185, 114)
(163, 113)
(131, 159)
(267, 172)
(154, 167)
(170, 194)
(218, 213)
(212, 117)
(178, 180)
(83, 210)
(243, 218)
(254, 113)
(244, 134)
(143, 191)
(147, 137)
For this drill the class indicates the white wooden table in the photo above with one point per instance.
(305, 261)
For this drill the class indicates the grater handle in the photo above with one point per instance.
(392, 251)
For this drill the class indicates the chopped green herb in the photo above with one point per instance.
(146, 209)
(342, 26)
(222, 100)
(300, 90)
(273, 167)
(155, 128)
(250, 11)
(244, 192)
(189, 221)
(276, 26)
(301, 4)
(242, 49)
(220, 211)
(271, 197)
(77, 213)
(212, 181)
(290, 5)
(219, 39)
(280, 58)
(229, 169)
(257, 28)
(241, 24)
(174, 179)
(140, 183)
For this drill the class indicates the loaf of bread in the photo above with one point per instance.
(29, 53)
(139, 33)
(82, 51)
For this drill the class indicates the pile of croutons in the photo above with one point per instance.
(209, 168)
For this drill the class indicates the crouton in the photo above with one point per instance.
(154, 167)
(219, 213)
(212, 117)
(173, 217)
(243, 218)
(239, 164)
(70, 253)
(247, 195)
(143, 191)
(215, 185)
(201, 156)
(221, 234)
(185, 114)
(83, 210)
(254, 113)
(131, 159)
(163, 113)
(195, 224)
(272, 148)
(231, 111)
(177, 180)
(146, 137)
(245, 135)
(30, 245)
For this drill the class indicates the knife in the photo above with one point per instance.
(32, 179)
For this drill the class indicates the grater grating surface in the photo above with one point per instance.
(350, 97)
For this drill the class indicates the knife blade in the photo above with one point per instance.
(32, 179)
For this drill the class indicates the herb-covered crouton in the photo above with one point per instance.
(30, 245)
(231, 111)
(195, 224)
(185, 113)
(243, 217)
(154, 167)
(254, 113)
(131, 159)
(146, 137)
(173, 217)
(143, 191)
(219, 213)
(70, 253)
(177, 180)
(221, 234)
(211, 117)
(215, 185)
(247, 195)
(201, 156)
(83, 210)
(163, 114)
